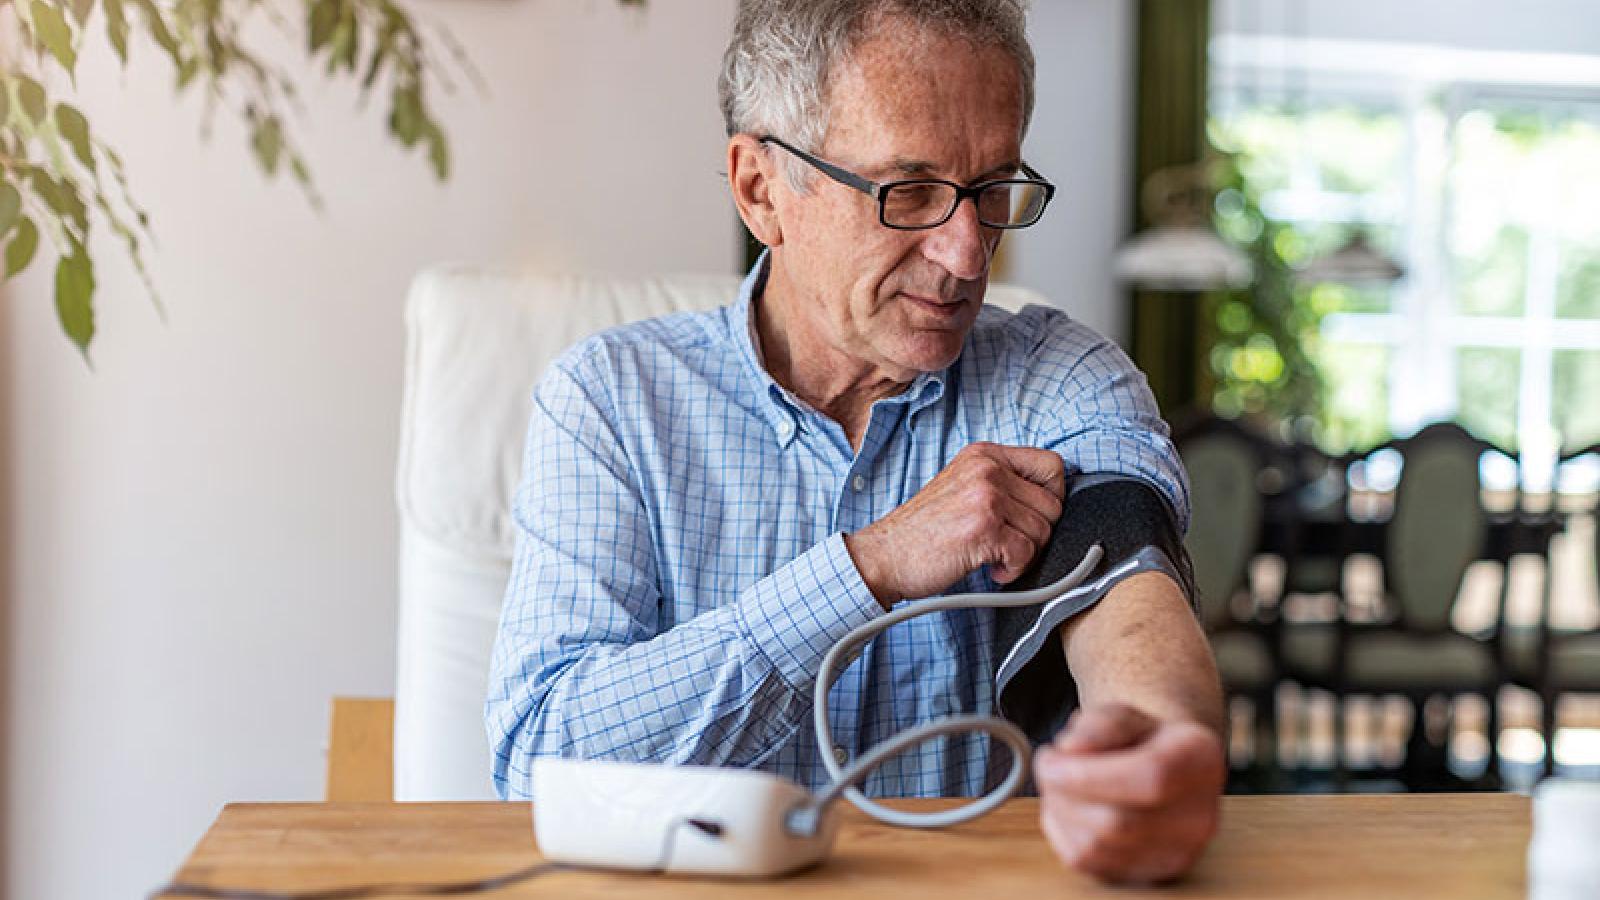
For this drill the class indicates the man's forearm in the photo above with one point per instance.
(1141, 645)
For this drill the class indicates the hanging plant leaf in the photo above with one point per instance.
(74, 129)
(267, 142)
(20, 251)
(438, 150)
(324, 16)
(217, 53)
(187, 70)
(346, 42)
(61, 197)
(81, 10)
(117, 28)
(51, 28)
(406, 117)
(10, 207)
(31, 95)
(74, 296)
(380, 54)
(158, 28)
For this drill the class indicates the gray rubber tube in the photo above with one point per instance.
(845, 779)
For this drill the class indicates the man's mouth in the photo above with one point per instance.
(942, 308)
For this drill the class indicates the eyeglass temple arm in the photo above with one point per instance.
(1033, 173)
(843, 176)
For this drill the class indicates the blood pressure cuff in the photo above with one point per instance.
(1137, 533)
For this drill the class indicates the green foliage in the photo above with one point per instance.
(1261, 360)
(19, 252)
(1269, 359)
(55, 167)
(74, 287)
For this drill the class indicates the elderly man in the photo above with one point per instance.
(712, 500)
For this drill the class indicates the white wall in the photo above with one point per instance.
(1082, 139)
(198, 536)
(1530, 26)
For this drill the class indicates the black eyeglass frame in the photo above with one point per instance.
(880, 191)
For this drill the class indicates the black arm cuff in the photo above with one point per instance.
(1138, 533)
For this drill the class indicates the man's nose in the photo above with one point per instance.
(962, 245)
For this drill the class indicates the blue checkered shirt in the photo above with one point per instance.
(680, 568)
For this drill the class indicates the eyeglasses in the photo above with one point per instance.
(930, 202)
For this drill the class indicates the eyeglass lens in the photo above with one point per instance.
(1001, 204)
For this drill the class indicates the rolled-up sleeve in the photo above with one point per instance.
(1079, 394)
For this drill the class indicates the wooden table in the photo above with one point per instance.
(1457, 846)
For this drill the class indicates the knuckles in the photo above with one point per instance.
(1197, 753)
(1157, 784)
(1123, 845)
(1170, 812)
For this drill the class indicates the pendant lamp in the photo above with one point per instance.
(1180, 252)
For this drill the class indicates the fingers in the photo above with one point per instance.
(1023, 512)
(992, 505)
(1012, 500)
(1127, 847)
(1108, 727)
(1030, 476)
(1042, 467)
(1174, 763)
(1143, 812)
(1017, 549)
(1038, 499)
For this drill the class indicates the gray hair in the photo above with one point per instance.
(776, 70)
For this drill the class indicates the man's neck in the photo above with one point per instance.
(841, 387)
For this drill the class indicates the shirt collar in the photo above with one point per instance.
(783, 410)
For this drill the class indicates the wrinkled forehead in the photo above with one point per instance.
(925, 96)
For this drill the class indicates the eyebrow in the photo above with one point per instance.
(917, 168)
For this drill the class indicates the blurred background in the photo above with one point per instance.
(1321, 226)
(1391, 368)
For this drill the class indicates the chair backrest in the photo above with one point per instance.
(1575, 459)
(477, 340)
(1438, 526)
(1223, 463)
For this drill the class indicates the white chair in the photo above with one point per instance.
(477, 341)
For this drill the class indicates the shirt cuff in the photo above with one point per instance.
(795, 615)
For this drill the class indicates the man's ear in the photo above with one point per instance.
(752, 176)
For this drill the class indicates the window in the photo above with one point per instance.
(1488, 193)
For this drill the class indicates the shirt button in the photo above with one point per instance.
(839, 756)
(859, 483)
(785, 428)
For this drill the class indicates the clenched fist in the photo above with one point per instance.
(1128, 798)
(992, 505)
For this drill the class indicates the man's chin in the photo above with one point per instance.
(932, 351)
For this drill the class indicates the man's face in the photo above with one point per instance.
(909, 104)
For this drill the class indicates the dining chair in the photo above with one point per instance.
(1568, 660)
(1224, 461)
(1438, 528)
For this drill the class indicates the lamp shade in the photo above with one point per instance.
(1355, 263)
(1182, 258)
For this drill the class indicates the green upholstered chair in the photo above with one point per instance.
(1437, 530)
(1223, 461)
(1565, 662)
(1571, 666)
(1317, 497)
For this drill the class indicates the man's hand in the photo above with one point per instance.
(992, 505)
(1128, 798)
